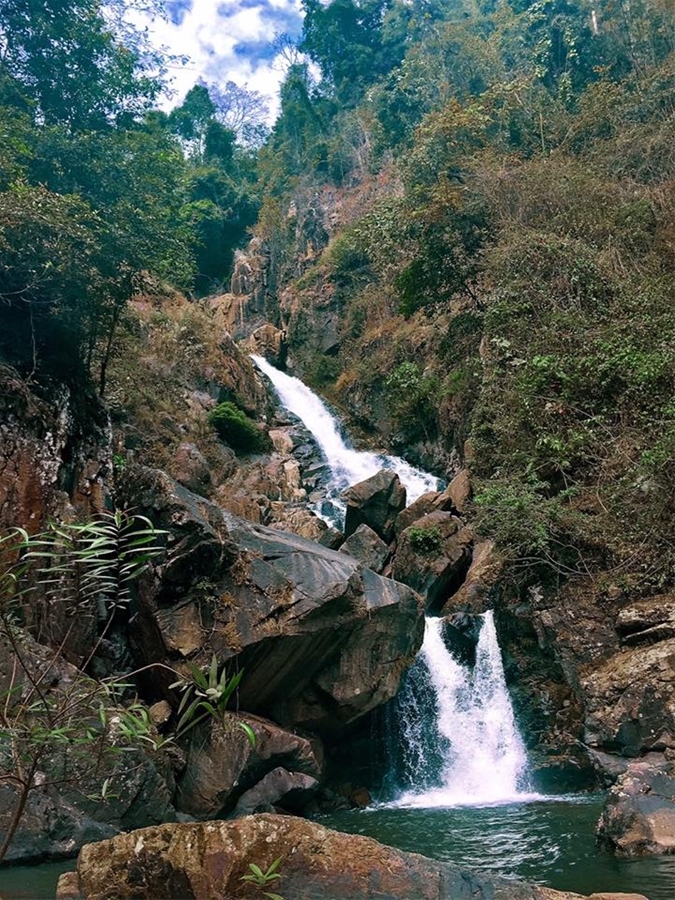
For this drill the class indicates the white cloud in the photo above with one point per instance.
(226, 41)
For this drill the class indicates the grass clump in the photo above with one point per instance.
(425, 540)
(237, 429)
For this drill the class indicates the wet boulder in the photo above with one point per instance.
(433, 555)
(278, 788)
(474, 594)
(206, 860)
(322, 640)
(639, 814)
(375, 502)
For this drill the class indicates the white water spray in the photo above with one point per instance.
(347, 466)
(479, 755)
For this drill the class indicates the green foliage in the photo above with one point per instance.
(424, 540)
(261, 879)
(535, 531)
(235, 427)
(90, 564)
(205, 696)
(66, 729)
(412, 397)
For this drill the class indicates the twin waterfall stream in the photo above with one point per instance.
(461, 746)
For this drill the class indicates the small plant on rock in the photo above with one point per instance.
(425, 540)
(261, 879)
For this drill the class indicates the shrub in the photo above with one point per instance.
(424, 540)
(235, 427)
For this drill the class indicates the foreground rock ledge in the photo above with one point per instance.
(206, 861)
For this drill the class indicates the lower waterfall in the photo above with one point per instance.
(459, 744)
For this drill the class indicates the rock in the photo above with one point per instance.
(191, 469)
(332, 538)
(297, 519)
(458, 492)
(282, 440)
(630, 701)
(484, 572)
(424, 505)
(222, 764)
(639, 814)
(160, 713)
(647, 621)
(367, 547)
(433, 555)
(207, 860)
(608, 766)
(321, 639)
(55, 457)
(269, 342)
(375, 502)
(278, 786)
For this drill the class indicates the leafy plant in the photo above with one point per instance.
(261, 879)
(206, 695)
(235, 427)
(49, 722)
(424, 540)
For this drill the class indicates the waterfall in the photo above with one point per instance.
(460, 743)
(347, 466)
(461, 746)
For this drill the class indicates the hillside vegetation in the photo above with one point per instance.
(479, 191)
(502, 225)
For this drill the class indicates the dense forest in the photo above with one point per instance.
(461, 227)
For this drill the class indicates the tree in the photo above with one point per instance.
(71, 64)
(241, 111)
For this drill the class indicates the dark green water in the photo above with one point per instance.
(32, 882)
(551, 843)
(548, 842)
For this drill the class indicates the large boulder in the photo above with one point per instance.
(375, 502)
(433, 555)
(205, 861)
(222, 764)
(321, 639)
(366, 546)
(630, 700)
(473, 596)
(639, 814)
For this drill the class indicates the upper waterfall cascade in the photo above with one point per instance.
(347, 466)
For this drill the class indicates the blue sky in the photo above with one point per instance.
(227, 40)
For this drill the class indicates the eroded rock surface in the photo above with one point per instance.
(206, 861)
(433, 555)
(630, 700)
(639, 814)
(222, 764)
